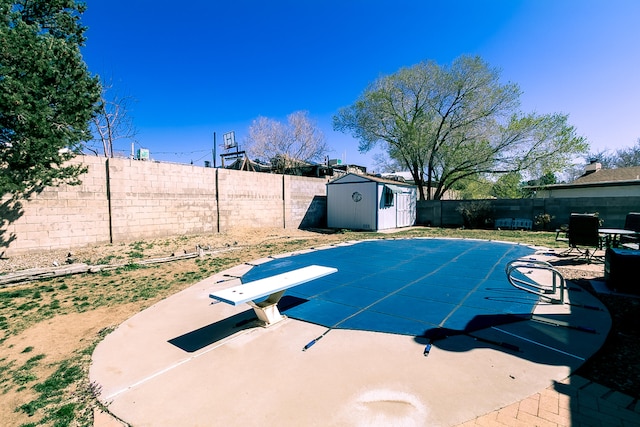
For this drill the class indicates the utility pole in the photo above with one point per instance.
(214, 150)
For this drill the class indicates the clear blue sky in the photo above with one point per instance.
(205, 66)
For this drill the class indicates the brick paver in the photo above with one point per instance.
(573, 402)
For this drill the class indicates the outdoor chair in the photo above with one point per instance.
(583, 235)
(562, 233)
(632, 222)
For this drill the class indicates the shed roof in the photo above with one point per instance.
(363, 178)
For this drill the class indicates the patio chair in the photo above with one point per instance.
(583, 235)
(562, 233)
(632, 222)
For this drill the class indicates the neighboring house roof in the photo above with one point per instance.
(600, 178)
(399, 176)
(243, 163)
(610, 175)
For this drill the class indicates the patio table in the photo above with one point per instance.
(612, 235)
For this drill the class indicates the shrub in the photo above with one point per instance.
(476, 214)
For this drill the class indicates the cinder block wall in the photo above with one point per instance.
(126, 200)
(612, 210)
(150, 199)
(249, 199)
(64, 217)
(303, 211)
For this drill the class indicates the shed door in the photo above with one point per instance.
(404, 210)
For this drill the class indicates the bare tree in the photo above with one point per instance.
(112, 122)
(628, 157)
(621, 158)
(288, 146)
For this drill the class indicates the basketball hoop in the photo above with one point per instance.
(229, 139)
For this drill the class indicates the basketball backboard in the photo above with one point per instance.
(229, 139)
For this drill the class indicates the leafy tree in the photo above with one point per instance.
(475, 187)
(288, 146)
(447, 124)
(547, 179)
(476, 213)
(47, 95)
(507, 186)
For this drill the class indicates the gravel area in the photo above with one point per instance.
(126, 252)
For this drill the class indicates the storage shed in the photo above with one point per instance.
(360, 202)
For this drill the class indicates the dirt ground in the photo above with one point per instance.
(59, 337)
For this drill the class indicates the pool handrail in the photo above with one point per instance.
(532, 286)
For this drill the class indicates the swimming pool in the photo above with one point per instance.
(417, 287)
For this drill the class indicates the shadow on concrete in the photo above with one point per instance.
(207, 335)
(477, 323)
(549, 338)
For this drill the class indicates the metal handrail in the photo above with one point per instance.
(542, 290)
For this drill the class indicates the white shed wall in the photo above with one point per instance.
(343, 211)
(386, 214)
(401, 214)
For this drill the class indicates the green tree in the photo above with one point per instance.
(476, 187)
(508, 186)
(47, 95)
(447, 124)
(546, 179)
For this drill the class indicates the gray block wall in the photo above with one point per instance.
(126, 200)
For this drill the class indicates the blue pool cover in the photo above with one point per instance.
(406, 286)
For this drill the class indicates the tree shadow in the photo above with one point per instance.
(565, 337)
(10, 211)
(477, 323)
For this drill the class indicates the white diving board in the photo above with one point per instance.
(273, 287)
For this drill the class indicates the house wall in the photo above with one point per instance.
(125, 200)
(592, 191)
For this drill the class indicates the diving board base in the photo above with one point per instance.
(267, 310)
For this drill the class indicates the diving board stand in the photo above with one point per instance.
(271, 287)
